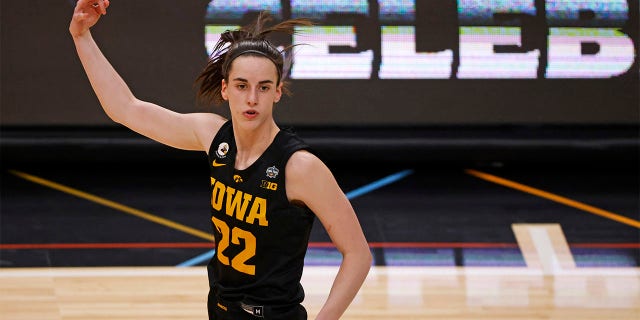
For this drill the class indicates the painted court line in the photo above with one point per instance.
(198, 259)
(378, 184)
(545, 249)
(141, 272)
(174, 225)
(350, 195)
(87, 245)
(381, 245)
(114, 205)
(554, 197)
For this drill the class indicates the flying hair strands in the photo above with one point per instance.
(248, 40)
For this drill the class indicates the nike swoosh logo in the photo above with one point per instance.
(215, 164)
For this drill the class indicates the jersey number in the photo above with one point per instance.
(237, 262)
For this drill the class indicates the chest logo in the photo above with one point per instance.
(218, 164)
(268, 185)
(272, 172)
(223, 148)
(237, 178)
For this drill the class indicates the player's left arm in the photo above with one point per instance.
(309, 180)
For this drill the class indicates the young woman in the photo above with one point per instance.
(266, 186)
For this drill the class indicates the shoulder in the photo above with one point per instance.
(207, 126)
(306, 175)
(290, 142)
(302, 161)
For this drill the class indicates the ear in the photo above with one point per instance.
(223, 90)
(278, 93)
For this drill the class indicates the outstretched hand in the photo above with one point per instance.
(86, 14)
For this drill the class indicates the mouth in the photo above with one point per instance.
(250, 114)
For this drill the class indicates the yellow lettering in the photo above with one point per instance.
(217, 195)
(239, 261)
(269, 185)
(237, 203)
(223, 243)
(258, 211)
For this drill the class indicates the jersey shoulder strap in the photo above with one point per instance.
(288, 142)
(224, 134)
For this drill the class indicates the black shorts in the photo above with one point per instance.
(238, 310)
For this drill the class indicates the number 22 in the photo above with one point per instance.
(237, 262)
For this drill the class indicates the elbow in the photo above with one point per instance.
(365, 256)
(114, 117)
(368, 257)
(121, 112)
(359, 256)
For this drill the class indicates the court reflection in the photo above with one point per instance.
(486, 293)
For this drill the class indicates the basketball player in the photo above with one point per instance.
(266, 185)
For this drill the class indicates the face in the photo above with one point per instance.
(251, 90)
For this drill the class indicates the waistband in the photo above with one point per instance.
(256, 311)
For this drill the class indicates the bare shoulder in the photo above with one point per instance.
(208, 121)
(306, 175)
(303, 163)
(206, 126)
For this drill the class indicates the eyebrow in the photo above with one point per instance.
(245, 80)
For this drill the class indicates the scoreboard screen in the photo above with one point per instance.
(362, 63)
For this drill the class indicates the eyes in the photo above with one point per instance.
(261, 88)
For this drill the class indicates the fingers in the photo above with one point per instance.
(86, 15)
(99, 6)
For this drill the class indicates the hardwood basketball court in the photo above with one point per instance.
(120, 245)
(121, 293)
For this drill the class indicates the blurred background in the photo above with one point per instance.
(455, 80)
(543, 91)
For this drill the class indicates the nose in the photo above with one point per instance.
(252, 98)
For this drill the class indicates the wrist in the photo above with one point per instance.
(79, 34)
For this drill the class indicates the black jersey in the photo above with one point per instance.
(260, 237)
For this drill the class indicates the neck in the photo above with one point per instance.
(252, 142)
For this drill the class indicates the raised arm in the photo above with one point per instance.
(325, 198)
(192, 131)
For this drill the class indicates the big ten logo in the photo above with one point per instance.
(441, 39)
(269, 185)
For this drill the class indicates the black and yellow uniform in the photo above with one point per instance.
(260, 237)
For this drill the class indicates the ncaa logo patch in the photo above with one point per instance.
(272, 172)
(223, 148)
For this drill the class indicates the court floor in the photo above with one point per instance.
(113, 214)
(388, 293)
(444, 240)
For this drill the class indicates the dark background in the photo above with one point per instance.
(578, 138)
(158, 48)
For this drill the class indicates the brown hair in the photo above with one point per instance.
(248, 40)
